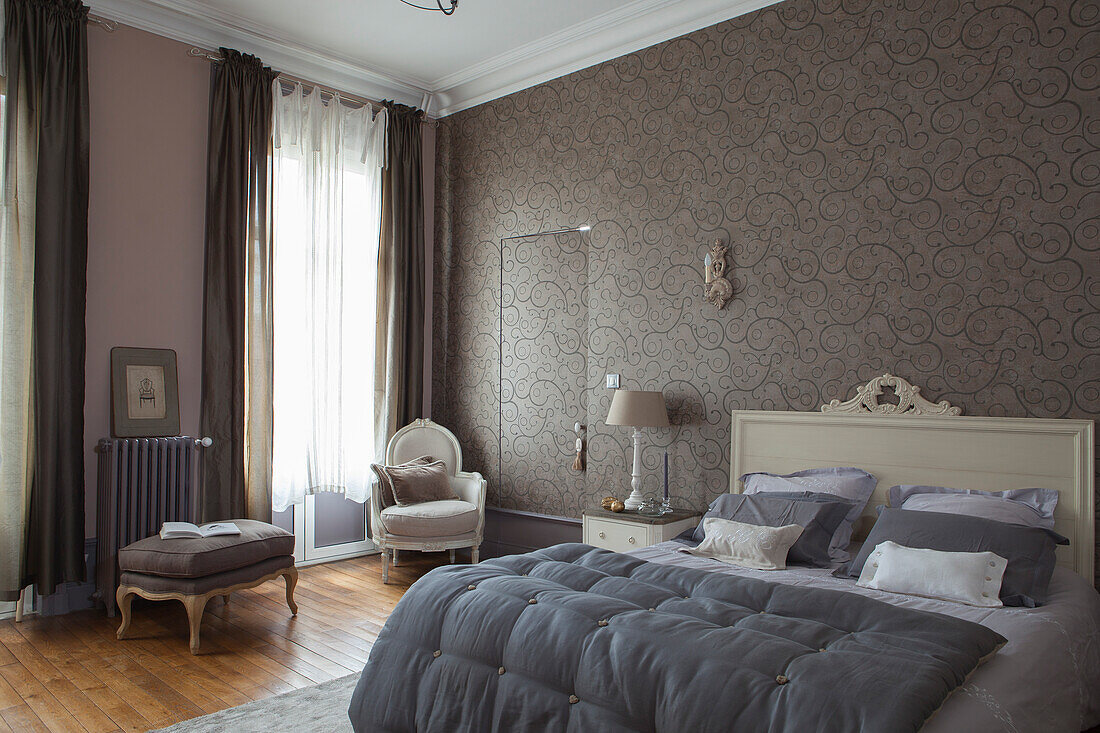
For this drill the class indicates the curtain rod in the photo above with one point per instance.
(108, 25)
(216, 57)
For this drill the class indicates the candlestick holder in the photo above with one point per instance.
(666, 505)
(651, 507)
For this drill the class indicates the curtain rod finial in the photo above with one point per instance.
(108, 25)
(202, 53)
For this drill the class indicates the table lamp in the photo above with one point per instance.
(637, 409)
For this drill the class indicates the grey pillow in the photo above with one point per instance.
(851, 484)
(819, 519)
(385, 480)
(1030, 507)
(1029, 550)
(835, 558)
(418, 484)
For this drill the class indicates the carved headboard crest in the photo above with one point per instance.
(909, 402)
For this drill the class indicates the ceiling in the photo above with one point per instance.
(385, 49)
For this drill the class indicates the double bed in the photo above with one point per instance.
(478, 647)
(1046, 678)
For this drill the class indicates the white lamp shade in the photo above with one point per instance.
(637, 408)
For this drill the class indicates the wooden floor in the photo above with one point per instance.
(69, 673)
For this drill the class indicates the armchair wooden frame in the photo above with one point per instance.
(470, 486)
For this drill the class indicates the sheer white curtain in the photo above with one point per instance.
(326, 205)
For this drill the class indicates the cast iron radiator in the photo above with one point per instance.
(143, 482)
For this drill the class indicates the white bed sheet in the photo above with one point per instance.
(1046, 678)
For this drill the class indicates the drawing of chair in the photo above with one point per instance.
(146, 393)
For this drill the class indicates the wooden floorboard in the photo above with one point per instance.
(69, 673)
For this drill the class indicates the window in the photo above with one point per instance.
(326, 204)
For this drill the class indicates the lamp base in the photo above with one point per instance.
(635, 499)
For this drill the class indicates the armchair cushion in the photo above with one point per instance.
(431, 519)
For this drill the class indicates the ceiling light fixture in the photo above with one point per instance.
(440, 9)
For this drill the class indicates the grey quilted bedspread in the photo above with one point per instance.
(572, 638)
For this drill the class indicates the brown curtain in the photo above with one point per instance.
(238, 222)
(399, 376)
(47, 65)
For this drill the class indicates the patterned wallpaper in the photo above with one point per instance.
(543, 382)
(906, 186)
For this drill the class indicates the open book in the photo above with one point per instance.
(179, 530)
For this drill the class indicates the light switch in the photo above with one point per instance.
(612, 381)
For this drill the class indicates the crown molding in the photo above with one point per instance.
(624, 30)
(201, 25)
(628, 28)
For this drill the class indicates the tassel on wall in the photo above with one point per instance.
(578, 461)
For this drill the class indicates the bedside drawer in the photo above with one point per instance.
(615, 536)
(632, 532)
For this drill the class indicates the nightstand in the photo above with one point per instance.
(625, 531)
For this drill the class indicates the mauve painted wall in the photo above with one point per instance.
(149, 104)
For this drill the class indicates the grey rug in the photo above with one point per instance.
(323, 707)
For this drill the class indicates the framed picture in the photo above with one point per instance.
(144, 393)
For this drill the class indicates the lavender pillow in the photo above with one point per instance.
(851, 484)
(1027, 507)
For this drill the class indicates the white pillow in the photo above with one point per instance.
(747, 545)
(973, 578)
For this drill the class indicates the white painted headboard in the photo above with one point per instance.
(989, 453)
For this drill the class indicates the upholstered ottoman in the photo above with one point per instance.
(194, 570)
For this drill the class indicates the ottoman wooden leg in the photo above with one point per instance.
(124, 596)
(291, 578)
(195, 605)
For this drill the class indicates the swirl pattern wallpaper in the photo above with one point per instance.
(543, 379)
(909, 186)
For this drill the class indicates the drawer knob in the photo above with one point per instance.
(630, 540)
(602, 535)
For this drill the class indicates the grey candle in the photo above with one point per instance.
(666, 475)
